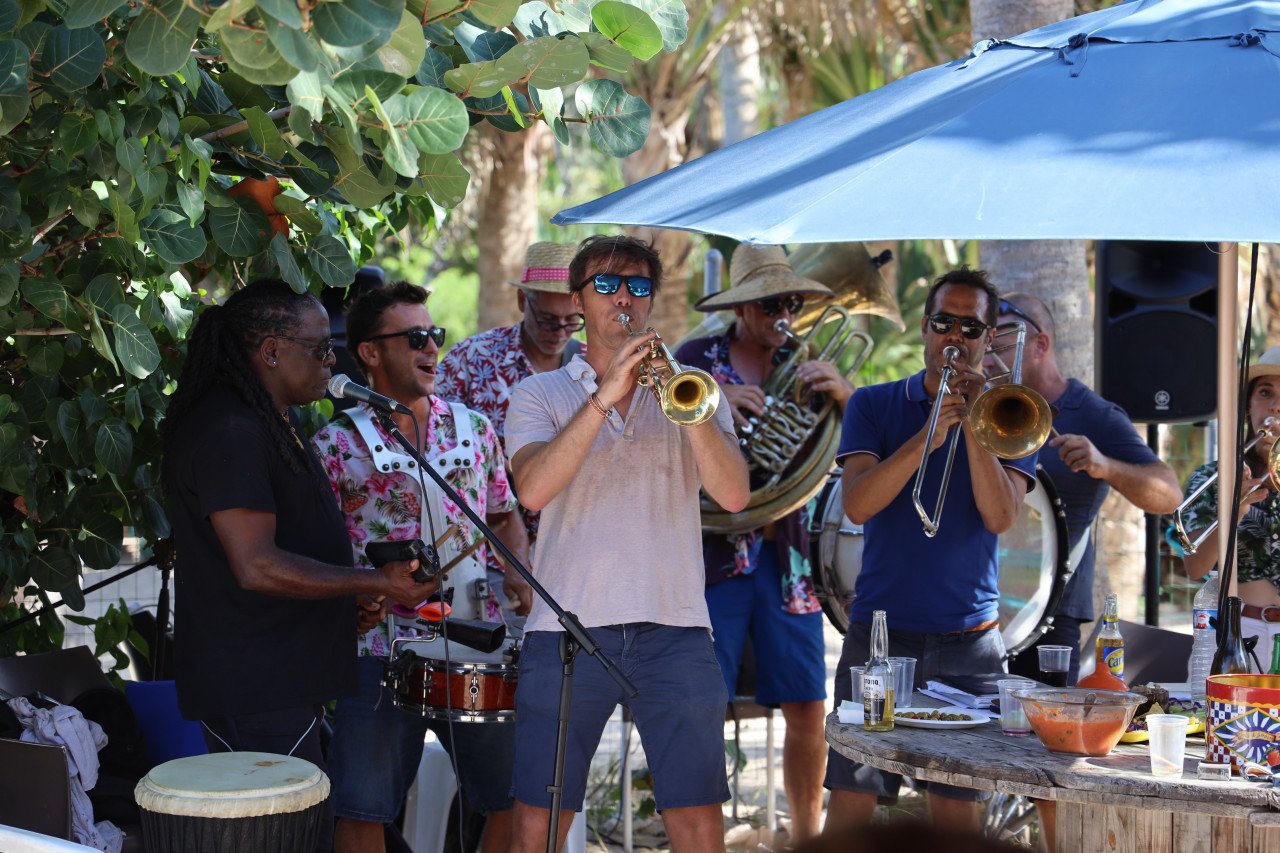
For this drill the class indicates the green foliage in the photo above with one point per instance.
(154, 156)
(111, 632)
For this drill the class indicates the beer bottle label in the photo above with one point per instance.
(1114, 656)
(873, 687)
(1204, 617)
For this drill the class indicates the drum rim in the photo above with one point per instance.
(441, 715)
(1063, 569)
(454, 667)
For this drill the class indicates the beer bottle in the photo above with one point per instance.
(1275, 655)
(1110, 643)
(1231, 657)
(1109, 662)
(877, 681)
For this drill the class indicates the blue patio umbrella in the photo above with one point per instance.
(1154, 119)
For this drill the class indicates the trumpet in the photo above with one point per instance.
(1269, 427)
(687, 396)
(1010, 421)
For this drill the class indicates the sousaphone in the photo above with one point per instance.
(791, 448)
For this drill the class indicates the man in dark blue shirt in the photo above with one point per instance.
(1096, 448)
(939, 592)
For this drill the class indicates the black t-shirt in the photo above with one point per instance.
(236, 651)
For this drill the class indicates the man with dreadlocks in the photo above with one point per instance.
(266, 613)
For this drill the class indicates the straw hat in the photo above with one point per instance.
(546, 267)
(1268, 364)
(759, 272)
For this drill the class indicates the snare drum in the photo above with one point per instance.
(1034, 562)
(458, 690)
(234, 802)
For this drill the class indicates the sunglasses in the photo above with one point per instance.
(773, 307)
(418, 338)
(320, 349)
(607, 284)
(943, 323)
(1007, 307)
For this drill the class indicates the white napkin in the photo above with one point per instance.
(849, 713)
(954, 696)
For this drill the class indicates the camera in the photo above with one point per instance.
(381, 553)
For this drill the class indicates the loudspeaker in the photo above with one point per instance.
(1157, 329)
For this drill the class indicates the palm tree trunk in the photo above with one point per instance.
(507, 221)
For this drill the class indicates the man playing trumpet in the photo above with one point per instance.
(759, 583)
(617, 483)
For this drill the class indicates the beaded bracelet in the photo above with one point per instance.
(598, 406)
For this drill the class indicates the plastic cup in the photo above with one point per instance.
(1168, 741)
(1013, 720)
(904, 680)
(1055, 664)
(856, 673)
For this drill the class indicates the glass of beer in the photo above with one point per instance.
(1055, 665)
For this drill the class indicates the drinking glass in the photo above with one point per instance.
(904, 680)
(1013, 719)
(1055, 665)
(856, 673)
(1168, 739)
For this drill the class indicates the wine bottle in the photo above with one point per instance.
(1275, 655)
(1231, 657)
(877, 680)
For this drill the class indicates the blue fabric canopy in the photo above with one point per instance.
(1151, 120)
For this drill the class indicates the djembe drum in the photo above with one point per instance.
(234, 802)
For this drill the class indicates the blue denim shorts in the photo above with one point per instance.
(376, 748)
(679, 712)
(963, 653)
(789, 650)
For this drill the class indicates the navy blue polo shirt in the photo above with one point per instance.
(1082, 412)
(947, 583)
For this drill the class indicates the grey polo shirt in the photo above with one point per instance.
(622, 542)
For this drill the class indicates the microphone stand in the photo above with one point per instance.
(574, 637)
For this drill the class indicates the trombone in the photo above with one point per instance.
(1269, 427)
(1010, 421)
(688, 396)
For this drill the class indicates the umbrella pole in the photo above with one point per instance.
(1228, 396)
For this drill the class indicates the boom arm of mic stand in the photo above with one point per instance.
(567, 620)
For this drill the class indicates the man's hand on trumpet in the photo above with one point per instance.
(624, 368)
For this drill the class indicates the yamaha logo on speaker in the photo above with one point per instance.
(1162, 401)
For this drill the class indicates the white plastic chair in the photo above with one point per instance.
(427, 805)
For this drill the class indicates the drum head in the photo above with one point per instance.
(1031, 555)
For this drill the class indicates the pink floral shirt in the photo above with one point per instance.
(388, 506)
(480, 372)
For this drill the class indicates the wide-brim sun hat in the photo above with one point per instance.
(1268, 364)
(760, 272)
(546, 267)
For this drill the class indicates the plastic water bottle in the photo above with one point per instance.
(1204, 618)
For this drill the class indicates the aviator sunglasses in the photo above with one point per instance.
(417, 337)
(773, 307)
(607, 284)
(970, 328)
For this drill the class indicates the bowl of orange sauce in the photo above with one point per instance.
(1068, 721)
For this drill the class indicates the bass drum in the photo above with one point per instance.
(1034, 562)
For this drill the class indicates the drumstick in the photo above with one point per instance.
(466, 552)
(449, 531)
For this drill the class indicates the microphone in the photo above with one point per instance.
(342, 386)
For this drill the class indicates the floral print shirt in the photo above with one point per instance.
(388, 506)
(733, 555)
(1258, 537)
(480, 372)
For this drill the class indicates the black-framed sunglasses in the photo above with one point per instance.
(418, 338)
(1007, 307)
(548, 323)
(607, 284)
(773, 306)
(943, 323)
(320, 349)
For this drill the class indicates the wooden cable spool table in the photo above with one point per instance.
(1103, 804)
